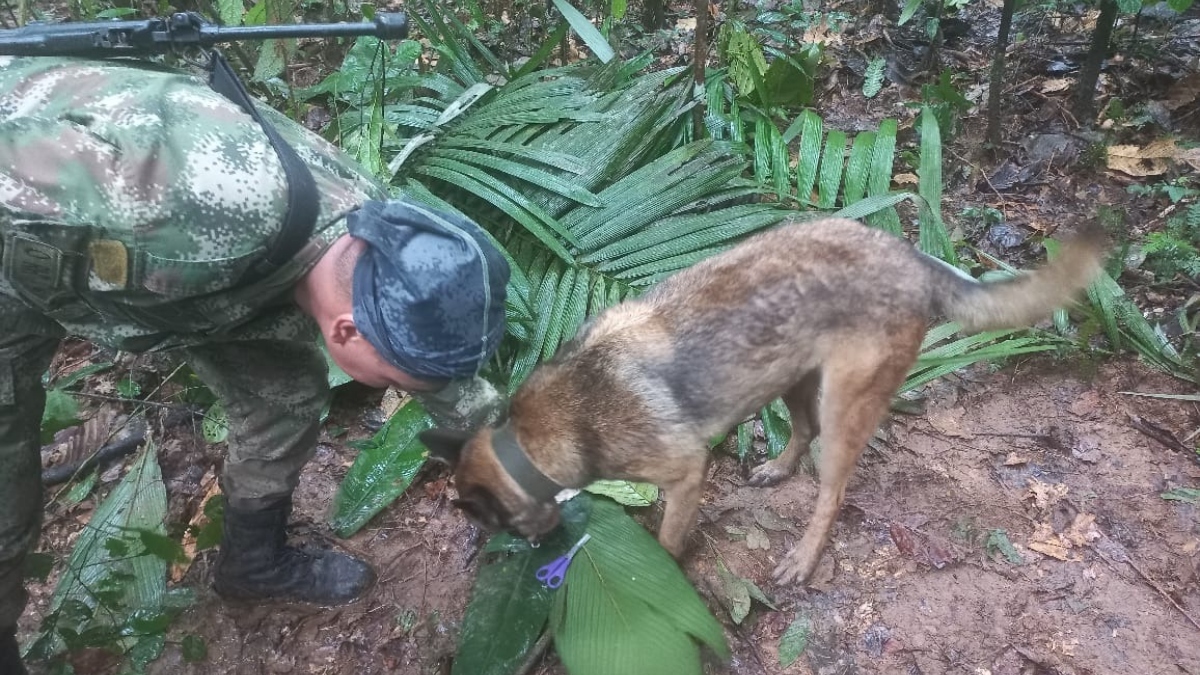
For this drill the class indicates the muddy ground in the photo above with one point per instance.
(1103, 581)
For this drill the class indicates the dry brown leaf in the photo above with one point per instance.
(1014, 459)
(1083, 530)
(1192, 157)
(179, 570)
(1046, 495)
(1149, 160)
(686, 23)
(1183, 92)
(1056, 84)
(906, 179)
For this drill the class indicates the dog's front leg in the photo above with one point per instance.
(683, 506)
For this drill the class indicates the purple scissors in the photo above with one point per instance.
(553, 573)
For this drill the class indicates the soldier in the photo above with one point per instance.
(136, 208)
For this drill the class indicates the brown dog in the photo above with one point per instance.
(828, 304)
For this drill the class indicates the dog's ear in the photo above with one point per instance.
(445, 445)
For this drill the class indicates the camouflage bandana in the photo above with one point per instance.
(429, 289)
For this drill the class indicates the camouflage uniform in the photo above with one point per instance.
(134, 199)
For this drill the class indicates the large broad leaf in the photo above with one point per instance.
(933, 238)
(509, 606)
(626, 608)
(587, 32)
(383, 470)
(112, 584)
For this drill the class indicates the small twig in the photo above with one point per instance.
(1153, 584)
(132, 401)
(535, 653)
(1164, 437)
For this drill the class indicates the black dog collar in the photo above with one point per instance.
(518, 465)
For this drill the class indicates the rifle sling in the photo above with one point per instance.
(302, 200)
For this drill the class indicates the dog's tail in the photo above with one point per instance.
(1029, 296)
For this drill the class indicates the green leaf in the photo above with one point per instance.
(383, 470)
(625, 492)
(128, 388)
(933, 238)
(215, 425)
(626, 608)
(209, 534)
(161, 545)
(587, 32)
(80, 490)
(777, 424)
(859, 167)
(873, 78)
(107, 580)
(998, 541)
(337, 377)
(910, 8)
(882, 159)
(38, 566)
(194, 648)
(230, 12)
(68, 381)
(794, 640)
(1180, 6)
(738, 593)
(831, 169)
(61, 411)
(809, 158)
(1182, 494)
(509, 606)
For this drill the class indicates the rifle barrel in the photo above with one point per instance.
(386, 26)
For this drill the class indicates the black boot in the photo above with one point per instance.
(256, 564)
(10, 654)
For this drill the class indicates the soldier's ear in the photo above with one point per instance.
(445, 445)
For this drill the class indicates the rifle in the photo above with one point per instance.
(146, 37)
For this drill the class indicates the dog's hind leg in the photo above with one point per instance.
(684, 490)
(801, 401)
(859, 382)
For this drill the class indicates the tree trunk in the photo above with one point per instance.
(996, 82)
(654, 14)
(1085, 102)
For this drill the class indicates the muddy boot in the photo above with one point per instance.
(10, 654)
(255, 563)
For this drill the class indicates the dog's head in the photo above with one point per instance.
(487, 493)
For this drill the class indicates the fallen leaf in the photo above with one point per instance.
(1046, 495)
(906, 179)
(1150, 160)
(212, 487)
(1183, 92)
(921, 547)
(1056, 84)
(769, 520)
(1014, 459)
(686, 23)
(794, 640)
(757, 539)
(737, 592)
(1044, 541)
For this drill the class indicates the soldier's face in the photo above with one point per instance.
(362, 362)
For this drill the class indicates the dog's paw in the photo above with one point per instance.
(770, 473)
(796, 567)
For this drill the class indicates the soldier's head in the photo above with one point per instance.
(427, 291)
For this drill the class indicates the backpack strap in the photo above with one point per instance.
(303, 203)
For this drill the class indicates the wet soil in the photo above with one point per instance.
(1102, 576)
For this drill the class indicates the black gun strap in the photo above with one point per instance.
(303, 203)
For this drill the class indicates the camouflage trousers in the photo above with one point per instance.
(273, 393)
